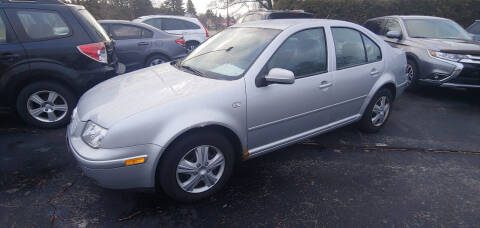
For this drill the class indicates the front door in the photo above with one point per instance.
(278, 113)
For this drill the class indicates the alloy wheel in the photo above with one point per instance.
(200, 169)
(410, 74)
(380, 111)
(47, 106)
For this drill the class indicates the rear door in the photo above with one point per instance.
(132, 44)
(359, 64)
(12, 55)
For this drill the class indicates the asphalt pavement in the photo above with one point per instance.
(421, 170)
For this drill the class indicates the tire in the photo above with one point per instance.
(367, 122)
(190, 46)
(412, 71)
(170, 180)
(155, 60)
(61, 106)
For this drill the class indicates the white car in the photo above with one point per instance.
(192, 30)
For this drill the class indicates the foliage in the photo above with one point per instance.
(462, 11)
(191, 8)
(173, 7)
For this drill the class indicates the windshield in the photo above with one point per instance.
(435, 28)
(230, 53)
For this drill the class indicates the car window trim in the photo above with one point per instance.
(10, 35)
(116, 38)
(364, 48)
(14, 12)
(306, 75)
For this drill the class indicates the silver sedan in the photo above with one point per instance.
(249, 90)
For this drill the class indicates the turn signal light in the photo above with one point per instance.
(135, 161)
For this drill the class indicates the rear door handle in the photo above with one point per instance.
(143, 43)
(374, 72)
(325, 84)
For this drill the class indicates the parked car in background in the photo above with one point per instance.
(140, 45)
(183, 125)
(50, 53)
(474, 29)
(190, 28)
(274, 14)
(439, 51)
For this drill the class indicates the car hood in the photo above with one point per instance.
(128, 94)
(451, 45)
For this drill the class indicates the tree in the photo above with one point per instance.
(174, 7)
(191, 8)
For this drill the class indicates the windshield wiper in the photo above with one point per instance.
(208, 52)
(195, 71)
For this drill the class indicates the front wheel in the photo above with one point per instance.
(196, 166)
(377, 112)
(412, 74)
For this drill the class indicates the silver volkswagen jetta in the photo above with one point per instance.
(249, 90)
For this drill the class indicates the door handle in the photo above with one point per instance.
(374, 72)
(143, 43)
(325, 84)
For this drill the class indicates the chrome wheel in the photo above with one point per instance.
(156, 62)
(200, 169)
(410, 74)
(380, 111)
(47, 106)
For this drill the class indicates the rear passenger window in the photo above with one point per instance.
(42, 24)
(155, 22)
(304, 53)
(123, 32)
(172, 24)
(373, 51)
(190, 25)
(348, 47)
(3, 31)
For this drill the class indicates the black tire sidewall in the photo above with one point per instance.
(414, 82)
(166, 171)
(21, 104)
(366, 124)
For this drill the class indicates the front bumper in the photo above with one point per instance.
(444, 73)
(107, 166)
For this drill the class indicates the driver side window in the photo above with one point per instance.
(304, 53)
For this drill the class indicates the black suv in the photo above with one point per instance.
(50, 53)
(274, 14)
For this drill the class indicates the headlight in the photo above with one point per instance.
(447, 56)
(93, 134)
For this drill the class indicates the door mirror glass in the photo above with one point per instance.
(280, 76)
(394, 34)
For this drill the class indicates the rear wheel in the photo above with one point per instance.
(155, 60)
(45, 104)
(196, 166)
(191, 45)
(377, 112)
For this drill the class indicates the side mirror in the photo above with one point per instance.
(280, 76)
(394, 34)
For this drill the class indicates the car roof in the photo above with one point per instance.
(411, 17)
(167, 16)
(283, 24)
(125, 22)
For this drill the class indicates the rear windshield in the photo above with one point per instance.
(281, 15)
(94, 25)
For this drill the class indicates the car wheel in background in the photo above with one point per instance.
(377, 112)
(196, 166)
(155, 60)
(191, 45)
(46, 104)
(412, 74)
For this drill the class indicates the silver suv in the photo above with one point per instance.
(439, 51)
(251, 89)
